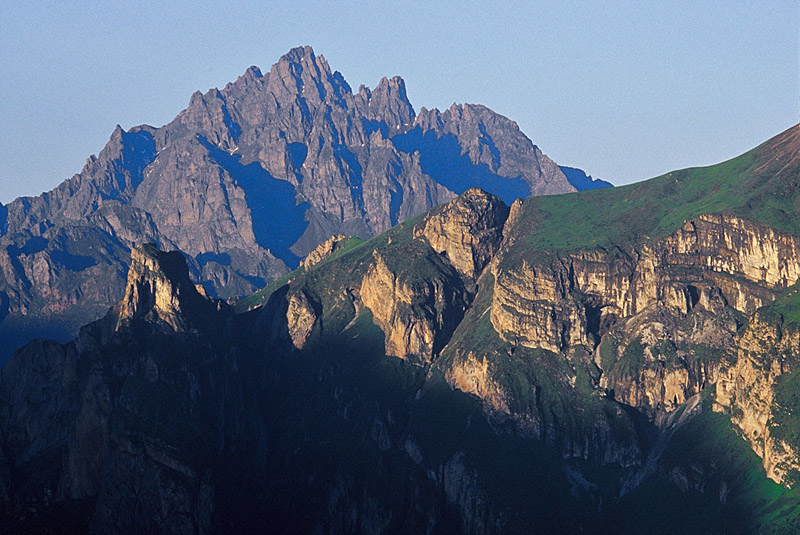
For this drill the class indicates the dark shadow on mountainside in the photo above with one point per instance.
(441, 158)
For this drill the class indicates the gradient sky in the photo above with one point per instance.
(624, 90)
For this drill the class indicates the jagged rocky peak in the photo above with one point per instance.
(468, 230)
(159, 289)
(325, 250)
(389, 101)
(418, 290)
(303, 72)
(252, 73)
(301, 61)
(252, 77)
(300, 54)
(492, 140)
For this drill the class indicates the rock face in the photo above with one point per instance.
(468, 231)
(568, 302)
(414, 296)
(125, 396)
(660, 312)
(301, 316)
(246, 181)
(324, 250)
(747, 390)
(475, 377)
(159, 289)
(417, 313)
(168, 415)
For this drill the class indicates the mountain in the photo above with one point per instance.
(247, 181)
(583, 182)
(617, 360)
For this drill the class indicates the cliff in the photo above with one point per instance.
(758, 390)
(113, 417)
(159, 290)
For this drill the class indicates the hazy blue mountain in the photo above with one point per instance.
(581, 181)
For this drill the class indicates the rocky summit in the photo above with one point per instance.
(246, 181)
(621, 360)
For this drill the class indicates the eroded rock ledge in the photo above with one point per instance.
(418, 308)
(468, 231)
(746, 390)
(650, 318)
(324, 250)
(562, 304)
(160, 291)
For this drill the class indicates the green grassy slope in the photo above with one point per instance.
(762, 185)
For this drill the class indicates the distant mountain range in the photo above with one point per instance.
(245, 182)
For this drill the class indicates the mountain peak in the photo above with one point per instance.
(299, 69)
(394, 85)
(298, 54)
(250, 74)
(468, 230)
(781, 154)
(253, 72)
(304, 57)
(116, 135)
(159, 289)
(389, 101)
(395, 82)
(272, 165)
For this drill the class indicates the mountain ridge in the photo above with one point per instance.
(246, 181)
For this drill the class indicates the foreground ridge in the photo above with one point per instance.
(468, 370)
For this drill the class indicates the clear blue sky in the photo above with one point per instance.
(624, 90)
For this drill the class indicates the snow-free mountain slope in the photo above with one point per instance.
(246, 181)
